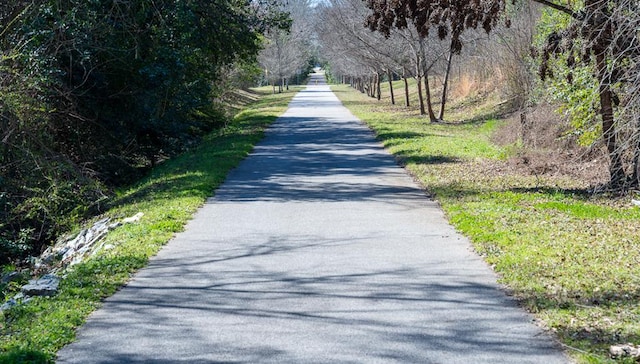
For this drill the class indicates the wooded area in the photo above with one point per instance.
(94, 93)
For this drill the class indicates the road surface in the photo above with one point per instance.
(317, 249)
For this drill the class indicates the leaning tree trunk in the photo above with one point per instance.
(432, 115)
(616, 169)
(445, 85)
(393, 99)
(636, 158)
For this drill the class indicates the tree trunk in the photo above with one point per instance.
(432, 115)
(420, 98)
(406, 89)
(378, 91)
(393, 99)
(445, 85)
(616, 169)
(372, 86)
(636, 158)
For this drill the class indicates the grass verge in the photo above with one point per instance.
(568, 256)
(168, 197)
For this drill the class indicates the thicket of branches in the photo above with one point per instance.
(93, 93)
(288, 53)
(593, 41)
(364, 58)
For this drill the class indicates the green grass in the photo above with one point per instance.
(34, 332)
(568, 256)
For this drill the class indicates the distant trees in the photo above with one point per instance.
(364, 58)
(600, 34)
(94, 92)
(287, 52)
(356, 54)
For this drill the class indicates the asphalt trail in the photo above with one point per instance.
(317, 249)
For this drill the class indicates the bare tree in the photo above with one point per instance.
(365, 57)
(286, 53)
(624, 49)
(359, 55)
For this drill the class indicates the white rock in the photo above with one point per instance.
(6, 278)
(624, 350)
(114, 225)
(133, 218)
(7, 305)
(46, 285)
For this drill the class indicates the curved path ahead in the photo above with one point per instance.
(317, 249)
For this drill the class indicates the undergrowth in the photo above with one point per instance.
(168, 197)
(569, 256)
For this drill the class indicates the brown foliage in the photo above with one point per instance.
(447, 17)
(548, 149)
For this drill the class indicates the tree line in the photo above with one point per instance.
(589, 50)
(93, 93)
(289, 54)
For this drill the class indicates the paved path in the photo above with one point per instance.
(317, 249)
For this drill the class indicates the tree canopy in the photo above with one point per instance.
(446, 17)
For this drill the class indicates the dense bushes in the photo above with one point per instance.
(94, 92)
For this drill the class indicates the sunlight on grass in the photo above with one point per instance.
(570, 257)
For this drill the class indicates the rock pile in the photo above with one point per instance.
(64, 254)
(70, 252)
(625, 351)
